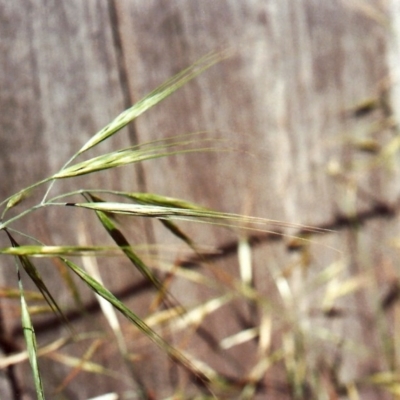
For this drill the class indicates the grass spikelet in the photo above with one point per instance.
(153, 98)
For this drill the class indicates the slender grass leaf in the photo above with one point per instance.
(123, 243)
(63, 270)
(175, 354)
(34, 275)
(154, 97)
(30, 339)
(176, 231)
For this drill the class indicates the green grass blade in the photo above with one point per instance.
(62, 269)
(175, 354)
(123, 243)
(154, 97)
(30, 339)
(34, 275)
(176, 231)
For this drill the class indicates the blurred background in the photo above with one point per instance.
(307, 105)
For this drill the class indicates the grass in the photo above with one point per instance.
(287, 330)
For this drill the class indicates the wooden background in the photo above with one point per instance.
(284, 102)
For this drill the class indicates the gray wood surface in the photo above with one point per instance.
(282, 105)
